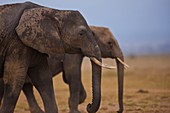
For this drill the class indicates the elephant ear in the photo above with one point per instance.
(39, 30)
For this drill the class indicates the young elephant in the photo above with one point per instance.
(28, 34)
(71, 68)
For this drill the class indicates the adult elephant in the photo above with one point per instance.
(71, 68)
(29, 34)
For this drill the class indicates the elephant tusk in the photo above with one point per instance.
(125, 65)
(102, 65)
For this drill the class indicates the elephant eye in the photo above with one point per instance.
(81, 33)
(110, 44)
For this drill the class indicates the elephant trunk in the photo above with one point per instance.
(96, 87)
(120, 69)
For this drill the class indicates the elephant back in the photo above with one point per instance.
(10, 15)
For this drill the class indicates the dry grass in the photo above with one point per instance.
(147, 87)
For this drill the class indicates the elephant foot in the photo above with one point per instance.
(37, 111)
(82, 97)
(120, 111)
(74, 111)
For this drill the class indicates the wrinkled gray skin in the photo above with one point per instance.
(29, 34)
(71, 68)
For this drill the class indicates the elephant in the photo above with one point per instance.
(71, 71)
(29, 34)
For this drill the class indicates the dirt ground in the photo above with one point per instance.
(147, 87)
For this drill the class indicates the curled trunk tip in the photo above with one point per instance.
(90, 109)
(93, 108)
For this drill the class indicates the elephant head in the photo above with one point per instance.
(110, 49)
(55, 32)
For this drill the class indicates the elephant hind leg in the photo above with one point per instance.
(14, 78)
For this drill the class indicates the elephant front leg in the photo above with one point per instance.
(77, 93)
(33, 105)
(74, 97)
(41, 77)
(72, 76)
(73, 80)
(14, 78)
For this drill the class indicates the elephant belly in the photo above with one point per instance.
(55, 66)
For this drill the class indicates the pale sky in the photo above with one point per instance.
(136, 24)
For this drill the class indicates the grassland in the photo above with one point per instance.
(147, 87)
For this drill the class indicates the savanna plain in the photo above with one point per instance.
(146, 87)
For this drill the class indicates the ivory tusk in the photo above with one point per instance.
(126, 66)
(102, 65)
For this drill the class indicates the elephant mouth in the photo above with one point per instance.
(108, 66)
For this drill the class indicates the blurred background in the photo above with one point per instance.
(140, 26)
